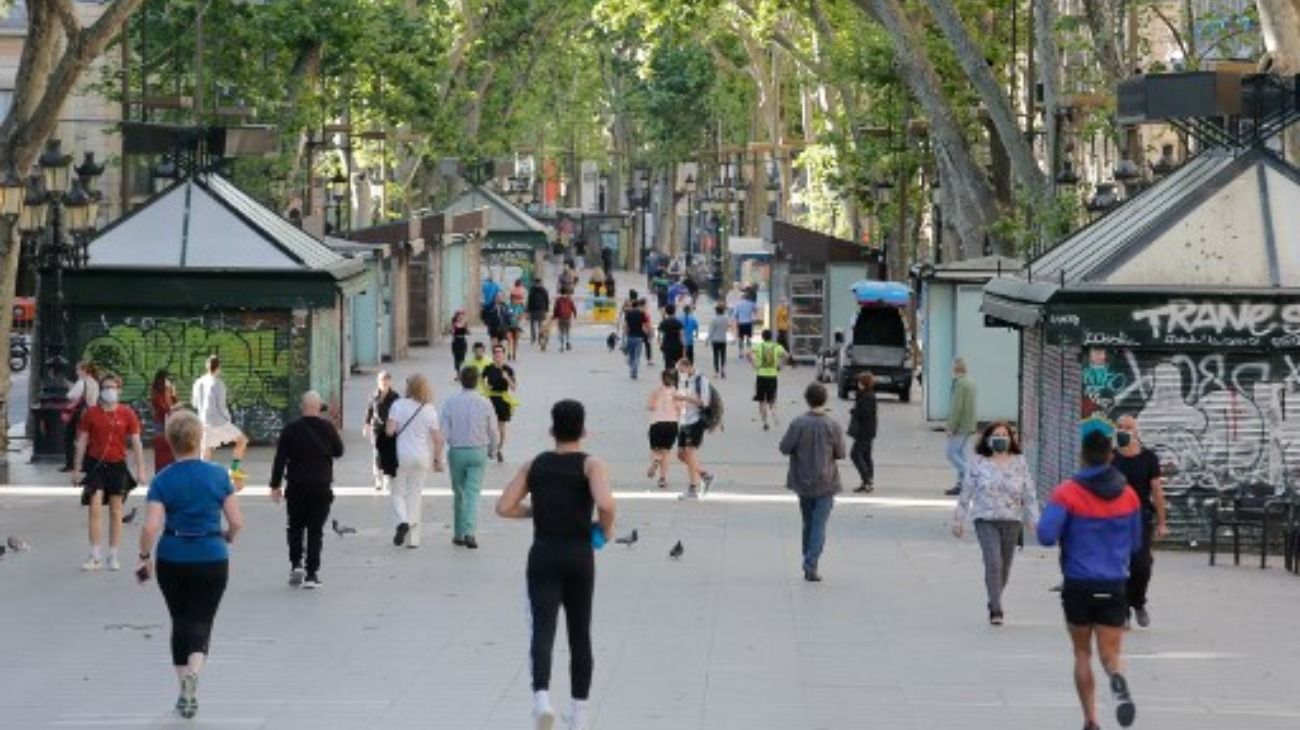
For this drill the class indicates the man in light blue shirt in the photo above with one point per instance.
(469, 424)
(743, 315)
(490, 291)
(691, 331)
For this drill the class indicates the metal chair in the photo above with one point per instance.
(1253, 507)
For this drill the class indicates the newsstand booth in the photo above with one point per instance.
(1181, 308)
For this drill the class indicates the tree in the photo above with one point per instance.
(56, 53)
(1280, 22)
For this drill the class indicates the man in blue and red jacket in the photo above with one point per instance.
(1097, 519)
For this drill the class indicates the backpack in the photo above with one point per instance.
(712, 414)
(564, 308)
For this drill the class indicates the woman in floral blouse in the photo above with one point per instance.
(998, 494)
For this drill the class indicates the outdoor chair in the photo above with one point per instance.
(1252, 507)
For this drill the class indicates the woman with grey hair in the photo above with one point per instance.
(187, 501)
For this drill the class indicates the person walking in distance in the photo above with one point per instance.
(468, 422)
(718, 330)
(209, 400)
(82, 395)
(384, 467)
(665, 412)
(413, 422)
(671, 337)
(782, 318)
(459, 339)
(1097, 520)
(500, 385)
(998, 494)
(690, 330)
(862, 430)
(743, 314)
(489, 293)
(564, 485)
(814, 442)
(962, 422)
(693, 395)
(649, 332)
(1141, 468)
(162, 401)
(305, 453)
(564, 314)
(185, 506)
(497, 319)
(539, 303)
(634, 336)
(99, 466)
(767, 357)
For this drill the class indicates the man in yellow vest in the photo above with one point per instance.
(767, 356)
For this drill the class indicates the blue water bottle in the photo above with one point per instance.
(597, 536)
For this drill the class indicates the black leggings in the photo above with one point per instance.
(862, 461)
(719, 356)
(562, 573)
(193, 592)
(458, 347)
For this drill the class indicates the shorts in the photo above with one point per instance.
(691, 436)
(744, 330)
(765, 389)
(1085, 606)
(663, 435)
(503, 409)
(215, 437)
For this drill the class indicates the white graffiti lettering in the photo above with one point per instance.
(1191, 319)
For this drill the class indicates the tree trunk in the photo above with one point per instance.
(1049, 68)
(1001, 113)
(1280, 22)
(973, 206)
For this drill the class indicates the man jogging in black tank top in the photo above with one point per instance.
(565, 485)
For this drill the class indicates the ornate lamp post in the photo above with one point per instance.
(58, 216)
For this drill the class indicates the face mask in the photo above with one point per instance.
(1123, 439)
(109, 396)
(1000, 444)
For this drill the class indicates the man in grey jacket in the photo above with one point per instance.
(814, 442)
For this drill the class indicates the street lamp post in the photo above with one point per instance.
(55, 205)
(689, 188)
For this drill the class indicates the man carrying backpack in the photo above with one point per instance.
(700, 413)
(565, 311)
(767, 356)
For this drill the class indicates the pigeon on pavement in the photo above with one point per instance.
(18, 545)
(342, 530)
(677, 550)
(628, 540)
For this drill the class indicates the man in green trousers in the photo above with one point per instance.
(469, 424)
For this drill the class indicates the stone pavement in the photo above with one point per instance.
(729, 637)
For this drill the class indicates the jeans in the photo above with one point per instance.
(467, 465)
(308, 508)
(719, 357)
(634, 354)
(1139, 568)
(816, 512)
(957, 454)
(998, 544)
(860, 454)
(407, 497)
(564, 325)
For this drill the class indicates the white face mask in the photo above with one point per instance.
(109, 396)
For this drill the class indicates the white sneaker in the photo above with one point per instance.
(579, 717)
(113, 564)
(543, 715)
(92, 564)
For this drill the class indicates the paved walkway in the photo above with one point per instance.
(729, 637)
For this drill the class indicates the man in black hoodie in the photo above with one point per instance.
(539, 303)
(307, 450)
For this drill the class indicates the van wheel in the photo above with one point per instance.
(905, 395)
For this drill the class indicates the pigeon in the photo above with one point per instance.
(342, 530)
(628, 540)
(129, 516)
(18, 545)
(677, 550)
(2, 551)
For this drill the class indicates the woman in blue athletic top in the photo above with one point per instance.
(186, 503)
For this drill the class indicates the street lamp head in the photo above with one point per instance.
(339, 184)
(11, 196)
(77, 205)
(689, 185)
(54, 167)
(89, 171)
(31, 218)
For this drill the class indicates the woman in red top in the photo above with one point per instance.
(162, 398)
(99, 466)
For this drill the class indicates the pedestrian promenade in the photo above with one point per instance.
(728, 637)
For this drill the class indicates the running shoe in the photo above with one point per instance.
(579, 717)
(501, 459)
(708, 480)
(1143, 618)
(543, 715)
(1125, 710)
(650, 473)
(295, 577)
(471, 542)
(113, 563)
(691, 493)
(663, 483)
(865, 488)
(312, 582)
(953, 491)
(399, 537)
(995, 618)
(188, 704)
(92, 565)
